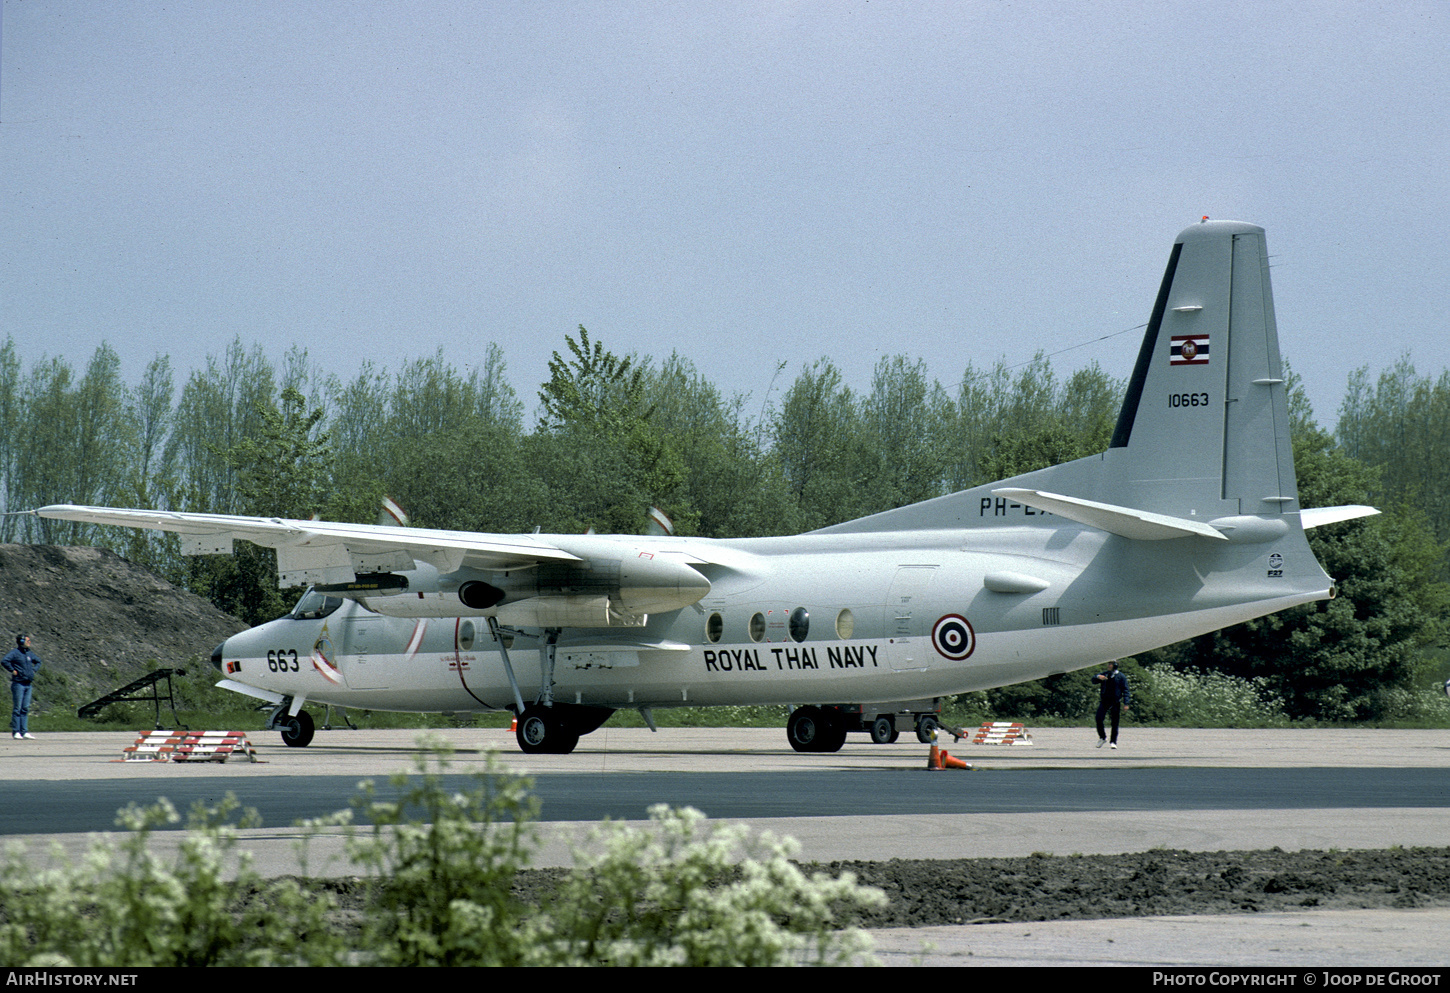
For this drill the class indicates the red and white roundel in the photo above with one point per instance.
(953, 638)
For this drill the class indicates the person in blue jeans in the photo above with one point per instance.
(1113, 700)
(21, 663)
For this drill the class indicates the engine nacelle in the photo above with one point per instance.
(614, 589)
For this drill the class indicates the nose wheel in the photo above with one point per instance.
(297, 729)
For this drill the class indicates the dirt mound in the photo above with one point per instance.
(925, 893)
(97, 618)
(1148, 884)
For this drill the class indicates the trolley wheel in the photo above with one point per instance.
(924, 728)
(883, 730)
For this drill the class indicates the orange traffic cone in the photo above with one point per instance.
(933, 760)
(948, 761)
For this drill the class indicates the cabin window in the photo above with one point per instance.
(714, 627)
(465, 635)
(800, 624)
(757, 626)
(845, 624)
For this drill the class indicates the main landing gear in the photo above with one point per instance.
(556, 730)
(815, 729)
(546, 727)
(824, 728)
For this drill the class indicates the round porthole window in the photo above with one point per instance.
(757, 626)
(714, 627)
(845, 624)
(800, 624)
(466, 635)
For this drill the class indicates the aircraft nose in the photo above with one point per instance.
(216, 655)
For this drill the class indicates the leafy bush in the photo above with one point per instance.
(123, 906)
(442, 865)
(439, 868)
(673, 895)
(1204, 699)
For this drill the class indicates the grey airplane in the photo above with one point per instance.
(1189, 522)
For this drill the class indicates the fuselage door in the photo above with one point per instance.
(359, 632)
(906, 611)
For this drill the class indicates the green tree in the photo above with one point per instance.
(11, 408)
(284, 470)
(75, 443)
(820, 442)
(1016, 454)
(1030, 417)
(614, 463)
(1354, 657)
(219, 406)
(906, 419)
(152, 481)
(595, 388)
(730, 488)
(1401, 426)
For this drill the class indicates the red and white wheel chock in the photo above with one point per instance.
(1002, 733)
(190, 746)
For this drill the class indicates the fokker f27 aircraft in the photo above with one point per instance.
(1188, 523)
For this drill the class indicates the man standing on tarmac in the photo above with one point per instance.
(21, 663)
(1114, 700)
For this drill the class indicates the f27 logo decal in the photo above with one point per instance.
(953, 638)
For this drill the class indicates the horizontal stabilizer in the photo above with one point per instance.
(1333, 515)
(1136, 524)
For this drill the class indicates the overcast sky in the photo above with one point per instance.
(745, 183)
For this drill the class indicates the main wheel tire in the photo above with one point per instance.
(297, 731)
(883, 730)
(834, 734)
(541, 731)
(805, 728)
(924, 728)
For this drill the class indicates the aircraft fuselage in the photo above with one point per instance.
(805, 619)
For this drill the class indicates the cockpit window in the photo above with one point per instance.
(314, 605)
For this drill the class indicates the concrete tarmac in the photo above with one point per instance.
(1320, 938)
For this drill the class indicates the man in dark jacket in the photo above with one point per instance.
(21, 663)
(1114, 700)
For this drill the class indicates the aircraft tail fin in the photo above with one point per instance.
(1203, 433)
(1204, 427)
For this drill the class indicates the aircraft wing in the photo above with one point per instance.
(324, 551)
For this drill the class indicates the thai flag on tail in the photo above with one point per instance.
(1188, 349)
